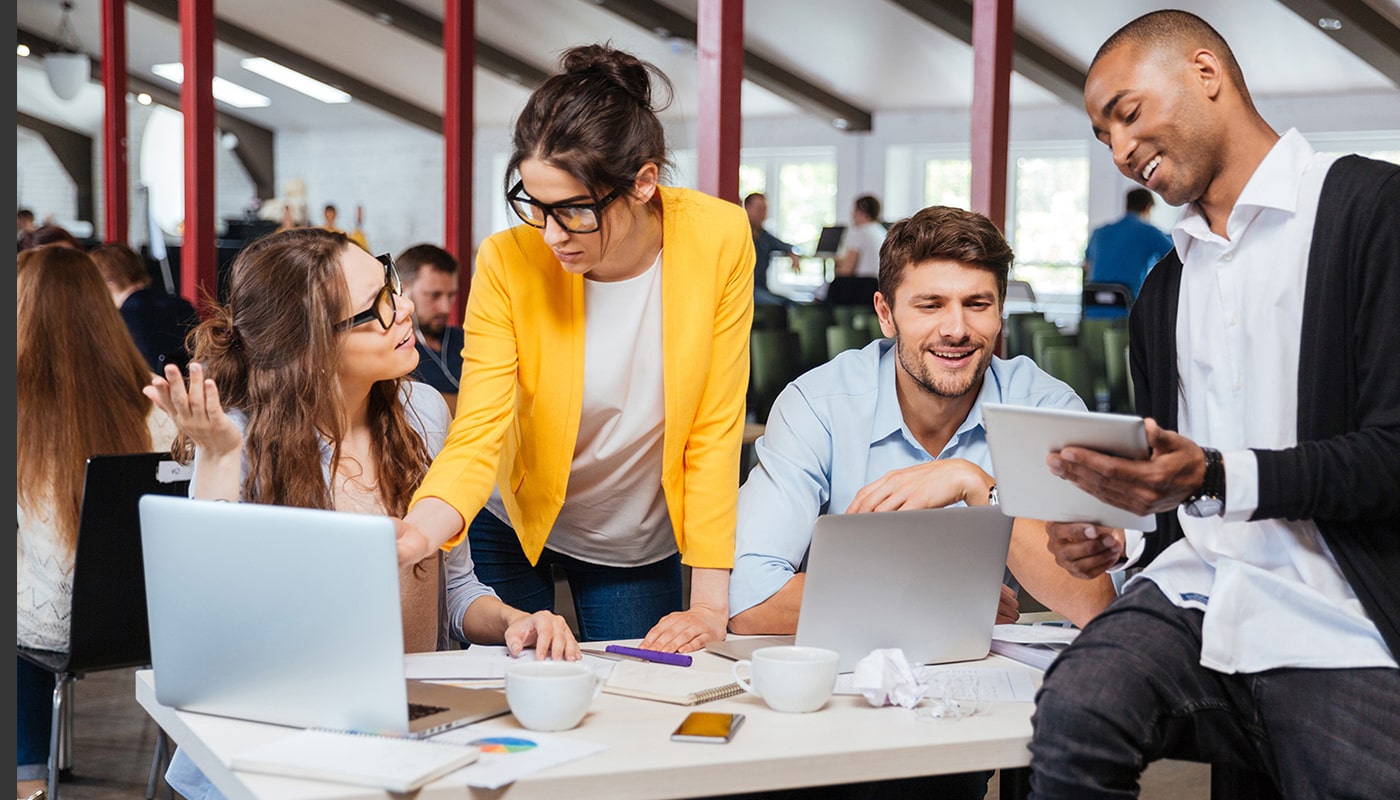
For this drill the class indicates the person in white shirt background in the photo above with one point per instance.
(1261, 634)
(860, 252)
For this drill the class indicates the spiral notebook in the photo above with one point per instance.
(383, 762)
(664, 683)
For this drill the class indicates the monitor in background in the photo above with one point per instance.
(829, 241)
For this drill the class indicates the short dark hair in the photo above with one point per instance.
(1172, 29)
(595, 120)
(752, 196)
(52, 235)
(421, 256)
(121, 266)
(1140, 200)
(869, 205)
(943, 233)
(25, 213)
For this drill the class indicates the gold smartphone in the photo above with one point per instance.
(708, 726)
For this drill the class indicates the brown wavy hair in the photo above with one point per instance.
(273, 349)
(78, 382)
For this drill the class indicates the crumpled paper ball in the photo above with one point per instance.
(885, 678)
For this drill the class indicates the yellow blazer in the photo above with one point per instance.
(522, 379)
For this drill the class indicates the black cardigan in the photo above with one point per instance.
(1344, 473)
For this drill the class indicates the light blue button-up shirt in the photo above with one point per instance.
(833, 431)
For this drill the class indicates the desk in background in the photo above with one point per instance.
(845, 742)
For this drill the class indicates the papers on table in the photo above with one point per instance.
(1033, 645)
(508, 754)
(991, 684)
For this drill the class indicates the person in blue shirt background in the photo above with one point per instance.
(1123, 251)
(429, 275)
(765, 245)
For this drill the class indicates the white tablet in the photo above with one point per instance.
(1020, 438)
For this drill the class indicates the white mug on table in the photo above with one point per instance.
(551, 695)
(789, 678)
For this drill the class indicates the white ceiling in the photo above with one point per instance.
(872, 53)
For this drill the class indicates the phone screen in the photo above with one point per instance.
(707, 726)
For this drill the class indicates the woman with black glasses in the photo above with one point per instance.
(606, 361)
(309, 357)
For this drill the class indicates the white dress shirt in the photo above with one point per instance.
(1271, 591)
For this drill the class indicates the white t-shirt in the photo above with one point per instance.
(865, 240)
(615, 511)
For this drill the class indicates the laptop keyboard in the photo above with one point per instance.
(421, 710)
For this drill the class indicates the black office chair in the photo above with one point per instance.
(108, 627)
(1106, 299)
(852, 290)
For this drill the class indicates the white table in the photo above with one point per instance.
(847, 741)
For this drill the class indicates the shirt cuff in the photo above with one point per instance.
(1133, 545)
(1241, 485)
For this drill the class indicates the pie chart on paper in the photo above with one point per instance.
(504, 744)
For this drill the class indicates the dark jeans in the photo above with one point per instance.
(1131, 690)
(962, 786)
(34, 721)
(611, 602)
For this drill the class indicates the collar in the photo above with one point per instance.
(1273, 185)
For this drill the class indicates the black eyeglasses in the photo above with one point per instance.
(383, 309)
(572, 217)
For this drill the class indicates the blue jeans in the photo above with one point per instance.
(611, 602)
(1131, 690)
(33, 721)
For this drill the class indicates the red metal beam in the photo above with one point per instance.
(720, 56)
(114, 158)
(993, 43)
(459, 49)
(198, 260)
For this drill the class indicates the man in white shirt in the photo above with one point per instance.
(1262, 632)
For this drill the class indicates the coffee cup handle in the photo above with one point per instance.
(744, 683)
(598, 682)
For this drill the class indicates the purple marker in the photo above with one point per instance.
(675, 659)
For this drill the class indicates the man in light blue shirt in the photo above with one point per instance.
(898, 424)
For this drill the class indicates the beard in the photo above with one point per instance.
(942, 383)
(433, 328)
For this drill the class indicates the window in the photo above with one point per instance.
(1050, 218)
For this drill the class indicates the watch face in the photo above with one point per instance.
(1205, 507)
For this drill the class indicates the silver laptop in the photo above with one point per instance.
(289, 616)
(926, 581)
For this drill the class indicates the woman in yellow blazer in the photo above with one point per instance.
(604, 374)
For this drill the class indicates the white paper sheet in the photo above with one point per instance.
(508, 754)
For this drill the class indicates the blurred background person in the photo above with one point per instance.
(158, 321)
(357, 236)
(24, 225)
(429, 275)
(50, 234)
(860, 251)
(64, 414)
(765, 245)
(1123, 251)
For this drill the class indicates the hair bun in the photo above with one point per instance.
(626, 71)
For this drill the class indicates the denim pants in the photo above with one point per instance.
(611, 602)
(33, 721)
(1131, 690)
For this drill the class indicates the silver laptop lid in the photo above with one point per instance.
(275, 614)
(925, 581)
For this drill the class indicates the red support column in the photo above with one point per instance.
(114, 160)
(993, 40)
(198, 259)
(720, 53)
(459, 50)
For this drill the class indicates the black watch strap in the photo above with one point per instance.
(1209, 500)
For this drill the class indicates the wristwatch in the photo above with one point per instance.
(1209, 500)
(992, 499)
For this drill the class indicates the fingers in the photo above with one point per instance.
(681, 632)
(1008, 607)
(1083, 550)
(550, 635)
(412, 545)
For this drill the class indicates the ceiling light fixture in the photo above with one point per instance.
(224, 91)
(1329, 24)
(22, 50)
(143, 98)
(294, 80)
(67, 67)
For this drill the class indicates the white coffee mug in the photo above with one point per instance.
(551, 695)
(789, 678)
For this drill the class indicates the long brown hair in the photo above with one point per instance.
(273, 350)
(78, 381)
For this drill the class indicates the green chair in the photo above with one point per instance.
(844, 315)
(769, 318)
(1042, 339)
(867, 320)
(811, 334)
(1013, 330)
(1071, 365)
(1028, 329)
(840, 337)
(775, 358)
(1120, 385)
(1091, 340)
